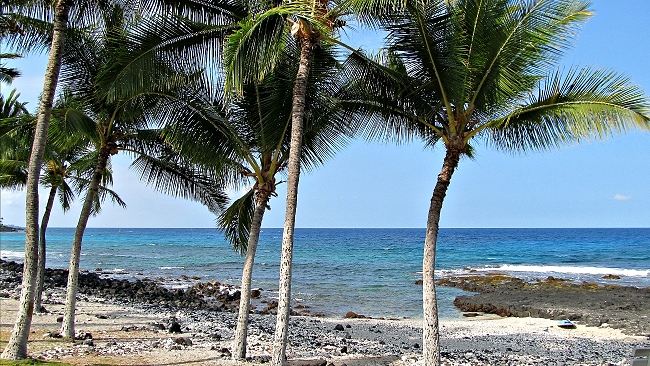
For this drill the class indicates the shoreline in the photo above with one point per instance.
(129, 331)
(135, 335)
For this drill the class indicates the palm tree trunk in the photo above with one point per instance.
(17, 346)
(244, 302)
(431, 342)
(293, 177)
(67, 328)
(40, 277)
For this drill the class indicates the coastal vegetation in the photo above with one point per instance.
(198, 121)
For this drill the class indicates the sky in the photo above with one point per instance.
(373, 185)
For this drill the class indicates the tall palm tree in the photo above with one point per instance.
(17, 345)
(475, 71)
(260, 121)
(120, 113)
(67, 158)
(253, 51)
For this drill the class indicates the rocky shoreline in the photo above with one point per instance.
(144, 323)
(213, 296)
(618, 307)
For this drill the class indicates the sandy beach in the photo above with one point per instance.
(113, 331)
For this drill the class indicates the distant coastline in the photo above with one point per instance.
(9, 229)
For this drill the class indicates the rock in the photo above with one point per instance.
(59, 319)
(353, 315)
(52, 335)
(344, 349)
(183, 341)
(470, 315)
(175, 327)
(158, 326)
(339, 327)
(255, 294)
(419, 282)
(612, 277)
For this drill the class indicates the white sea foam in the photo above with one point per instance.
(11, 255)
(572, 270)
(172, 267)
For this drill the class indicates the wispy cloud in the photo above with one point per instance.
(620, 197)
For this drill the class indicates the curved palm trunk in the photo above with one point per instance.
(431, 341)
(67, 328)
(293, 177)
(244, 302)
(42, 252)
(17, 345)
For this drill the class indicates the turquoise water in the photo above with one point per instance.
(368, 271)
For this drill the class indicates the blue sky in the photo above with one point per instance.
(595, 184)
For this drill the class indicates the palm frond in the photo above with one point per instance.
(236, 220)
(254, 50)
(581, 104)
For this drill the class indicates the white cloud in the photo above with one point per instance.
(620, 197)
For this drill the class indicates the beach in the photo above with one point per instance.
(119, 330)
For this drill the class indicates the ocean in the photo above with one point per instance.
(367, 271)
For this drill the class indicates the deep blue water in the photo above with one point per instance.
(368, 271)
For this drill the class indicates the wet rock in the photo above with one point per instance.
(612, 277)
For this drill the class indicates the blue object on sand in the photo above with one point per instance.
(568, 324)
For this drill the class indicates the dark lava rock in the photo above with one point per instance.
(183, 341)
(554, 298)
(612, 277)
(353, 315)
(339, 327)
(470, 315)
(175, 327)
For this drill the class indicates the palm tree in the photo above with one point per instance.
(120, 113)
(253, 51)
(467, 71)
(484, 71)
(259, 121)
(67, 158)
(17, 345)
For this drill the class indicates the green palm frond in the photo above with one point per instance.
(180, 181)
(235, 221)
(66, 196)
(511, 45)
(13, 173)
(102, 194)
(581, 104)
(254, 50)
